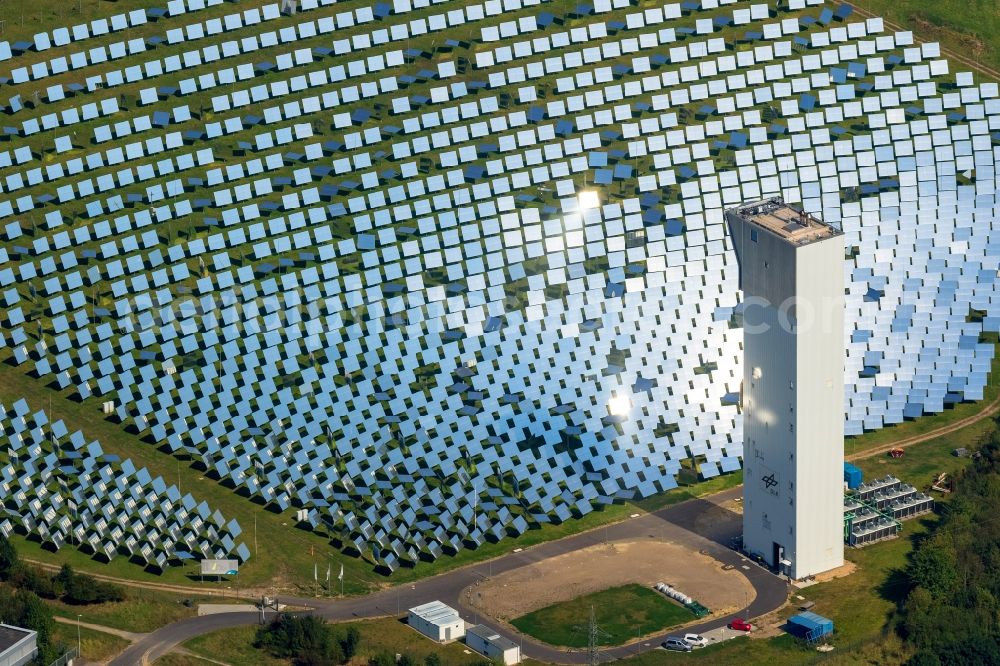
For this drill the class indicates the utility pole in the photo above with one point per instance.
(594, 656)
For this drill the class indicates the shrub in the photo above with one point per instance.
(349, 643)
(83, 589)
(27, 577)
(308, 640)
(382, 659)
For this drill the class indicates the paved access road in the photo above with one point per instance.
(699, 524)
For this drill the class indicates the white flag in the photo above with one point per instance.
(328, 573)
(315, 575)
(341, 576)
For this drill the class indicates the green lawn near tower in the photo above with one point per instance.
(620, 613)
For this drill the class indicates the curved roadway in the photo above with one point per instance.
(699, 524)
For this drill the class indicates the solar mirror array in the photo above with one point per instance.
(66, 491)
(436, 272)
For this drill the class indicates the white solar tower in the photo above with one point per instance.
(792, 276)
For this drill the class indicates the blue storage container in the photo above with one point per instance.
(810, 626)
(852, 476)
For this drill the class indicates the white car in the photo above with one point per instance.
(696, 640)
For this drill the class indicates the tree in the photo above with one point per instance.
(924, 658)
(950, 614)
(8, 557)
(26, 577)
(83, 589)
(934, 569)
(35, 615)
(308, 640)
(23, 608)
(349, 643)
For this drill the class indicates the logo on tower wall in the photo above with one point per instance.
(769, 479)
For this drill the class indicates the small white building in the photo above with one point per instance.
(437, 621)
(489, 643)
(17, 646)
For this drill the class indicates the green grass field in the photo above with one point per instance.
(623, 613)
(234, 647)
(967, 27)
(95, 646)
(142, 611)
(920, 464)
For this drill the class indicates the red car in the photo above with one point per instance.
(739, 624)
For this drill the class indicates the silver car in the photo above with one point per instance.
(677, 643)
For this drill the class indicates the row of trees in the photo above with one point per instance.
(67, 585)
(950, 614)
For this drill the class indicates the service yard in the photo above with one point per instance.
(515, 593)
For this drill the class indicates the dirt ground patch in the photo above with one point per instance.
(514, 593)
(846, 569)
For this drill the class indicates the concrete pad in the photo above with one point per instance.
(212, 609)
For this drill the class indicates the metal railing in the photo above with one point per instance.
(66, 658)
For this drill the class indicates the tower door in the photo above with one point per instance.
(779, 553)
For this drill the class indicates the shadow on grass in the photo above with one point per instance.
(657, 502)
(705, 518)
(895, 587)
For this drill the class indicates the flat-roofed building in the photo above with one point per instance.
(437, 621)
(489, 643)
(792, 276)
(17, 646)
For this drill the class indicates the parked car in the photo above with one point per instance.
(696, 640)
(677, 643)
(739, 624)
